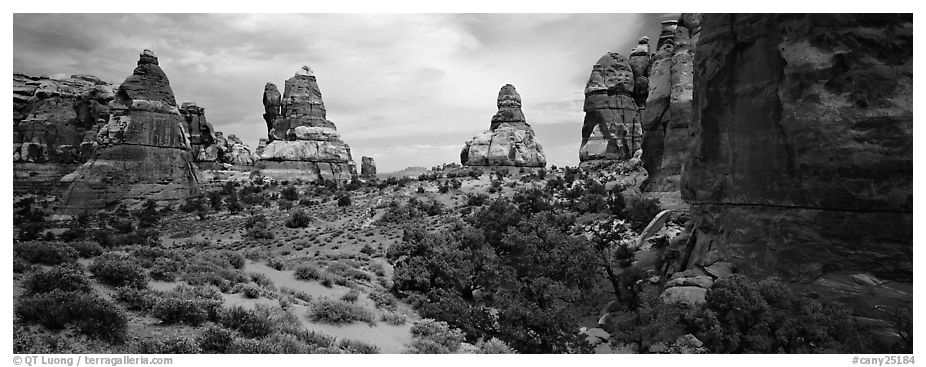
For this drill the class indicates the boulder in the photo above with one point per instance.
(684, 295)
(510, 140)
(801, 145)
(702, 281)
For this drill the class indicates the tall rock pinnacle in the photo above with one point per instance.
(144, 150)
(510, 141)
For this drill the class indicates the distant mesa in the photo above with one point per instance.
(510, 140)
(144, 149)
(301, 142)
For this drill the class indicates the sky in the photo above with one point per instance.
(406, 89)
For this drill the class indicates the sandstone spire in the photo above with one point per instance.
(509, 141)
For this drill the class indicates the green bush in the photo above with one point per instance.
(344, 200)
(394, 318)
(137, 299)
(339, 312)
(351, 296)
(251, 290)
(640, 211)
(176, 310)
(86, 249)
(357, 347)
(66, 277)
(745, 316)
(44, 252)
(383, 300)
(307, 272)
(438, 332)
(90, 313)
(169, 345)
(255, 323)
(215, 339)
(118, 270)
(165, 269)
(298, 219)
(494, 346)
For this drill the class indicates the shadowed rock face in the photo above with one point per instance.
(510, 140)
(202, 134)
(614, 97)
(302, 142)
(367, 167)
(144, 150)
(55, 120)
(668, 104)
(800, 160)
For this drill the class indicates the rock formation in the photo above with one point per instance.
(303, 143)
(367, 167)
(510, 140)
(614, 101)
(668, 103)
(202, 134)
(55, 120)
(144, 150)
(800, 159)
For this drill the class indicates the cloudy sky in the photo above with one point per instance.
(407, 89)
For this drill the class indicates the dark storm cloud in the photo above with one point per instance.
(410, 88)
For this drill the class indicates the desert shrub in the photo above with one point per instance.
(137, 299)
(357, 347)
(327, 281)
(164, 269)
(65, 277)
(251, 290)
(301, 295)
(351, 296)
(259, 322)
(118, 270)
(44, 252)
(307, 272)
(73, 234)
(378, 269)
(290, 193)
(20, 265)
(285, 204)
(298, 219)
(215, 339)
(745, 316)
(313, 338)
(90, 313)
(169, 345)
(175, 310)
(651, 322)
(339, 312)
(494, 346)
(276, 264)
(640, 211)
(439, 333)
(426, 346)
(344, 200)
(383, 300)
(367, 249)
(86, 249)
(394, 318)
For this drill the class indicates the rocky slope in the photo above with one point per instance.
(800, 162)
(510, 140)
(615, 98)
(144, 150)
(302, 142)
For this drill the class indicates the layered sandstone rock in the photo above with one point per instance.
(302, 142)
(800, 162)
(55, 119)
(668, 104)
(614, 101)
(510, 140)
(202, 134)
(367, 167)
(144, 150)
